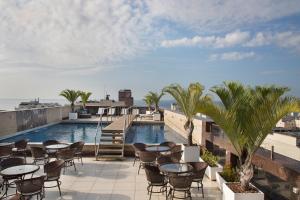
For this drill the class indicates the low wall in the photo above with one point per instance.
(14, 121)
(177, 121)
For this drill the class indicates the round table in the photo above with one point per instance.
(158, 148)
(57, 146)
(176, 168)
(20, 170)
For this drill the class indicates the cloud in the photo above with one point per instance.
(220, 16)
(72, 34)
(79, 34)
(229, 40)
(231, 56)
(288, 39)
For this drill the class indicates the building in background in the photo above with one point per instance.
(125, 96)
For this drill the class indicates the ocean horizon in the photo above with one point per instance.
(9, 104)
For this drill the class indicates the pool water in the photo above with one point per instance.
(146, 133)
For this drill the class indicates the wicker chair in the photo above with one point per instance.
(51, 152)
(31, 187)
(78, 146)
(67, 155)
(180, 183)
(176, 156)
(198, 173)
(53, 172)
(5, 151)
(168, 144)
(176, 148)
(8, 181)
(162, 160)
(146, 158)
(155, 179)
(137, 148)
(20, 148)
(39, 154)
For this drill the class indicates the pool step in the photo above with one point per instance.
(112, 135)
(110, 152)
(112, 140)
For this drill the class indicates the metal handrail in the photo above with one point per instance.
(97, 130)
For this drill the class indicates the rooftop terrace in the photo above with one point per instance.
(112, 180)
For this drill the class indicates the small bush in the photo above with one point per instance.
(209, 158)
(230, 174)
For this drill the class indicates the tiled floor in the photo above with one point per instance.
(112, 180)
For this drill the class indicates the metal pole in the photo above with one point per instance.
(272, 152)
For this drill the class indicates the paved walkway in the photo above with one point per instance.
(112, 180)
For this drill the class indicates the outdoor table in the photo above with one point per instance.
(158, 148)
(57, 146)
(176, 168)
(18, 171)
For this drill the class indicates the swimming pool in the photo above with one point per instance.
(67, 132)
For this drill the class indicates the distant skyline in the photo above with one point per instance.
(103, 46)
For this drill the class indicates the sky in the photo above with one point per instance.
(102, 46)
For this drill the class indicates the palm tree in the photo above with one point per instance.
(187, 100)
(155, 98)
(71, 96)
(85, 97)
(148, 100)
(247, 115)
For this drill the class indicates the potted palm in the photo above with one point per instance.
(84, 98)
(213, 165)
(229, 174)
(71, 96)
(148, 101)
(247, 115)
(155, 98)
(187, 100)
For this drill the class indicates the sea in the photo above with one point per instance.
(10, 104)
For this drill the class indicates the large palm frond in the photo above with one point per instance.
(85, 97)
(247, 115)
(187, 100)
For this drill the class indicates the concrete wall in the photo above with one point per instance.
(14, 121)
(177, 121)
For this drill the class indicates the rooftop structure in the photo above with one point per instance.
(125, 96)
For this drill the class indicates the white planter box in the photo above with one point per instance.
(156, 117)
(191, 153)
(220, 181)
(228, 194)
(73, 116)
(210, 172)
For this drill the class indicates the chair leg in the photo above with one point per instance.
(134, 161)
(198, 186)
(202, 190)
(139, 168)
(58, 185)
(150, 192)
(81, 160)
(74, 165)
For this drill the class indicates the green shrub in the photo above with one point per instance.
(230, 174)
(210, 158)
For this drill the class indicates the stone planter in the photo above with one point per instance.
(73, 116)
(220, 180)
(191, 153)
(228, 194)
(210, 172)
